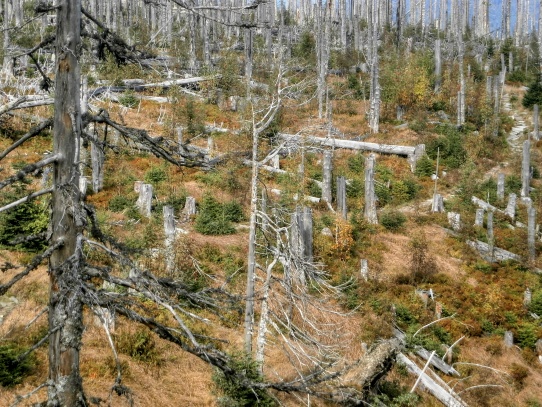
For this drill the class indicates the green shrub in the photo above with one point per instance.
(128, 99)
(449, 145)
(119, 203)
(27, 219)
(536, 303)
(233, 392)
(215, 218)
(534, 95)
(155, 175)
(13, 370)
(527, 335)
(139, 345)
(425, 167)
(393, 220)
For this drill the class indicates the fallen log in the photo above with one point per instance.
(498, 254)
(376, 363)
(412, 153)
(436, 361)
(445, 395)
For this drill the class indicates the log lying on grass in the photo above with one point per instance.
(445, 395)
(436, 362)
(498, 254)
(375, 364)
(412, 153)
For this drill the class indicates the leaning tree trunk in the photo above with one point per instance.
(65, 306)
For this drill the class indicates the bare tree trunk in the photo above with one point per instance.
(169, 231)
(370, 197)
(438, 66)
(341, 197)
(251, 270)
(374, 115)
(326, 178)
(526, 169)
(531, 232)
(65, 268)
(505, 23)
(500, 186)
(536, 131)
(490, 235)
(97, 157)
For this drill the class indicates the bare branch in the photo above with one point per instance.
(25, 199)
(34, 131)
(29, 169)
(36, 261)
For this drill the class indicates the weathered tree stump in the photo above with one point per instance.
(169, 243)
(454, 220)
(144, 202)
(510, 210)
(479, 217)
(189, 208)
(500, 186)
(508, 339)
(364, 269)
(527, 296)
(438, 203)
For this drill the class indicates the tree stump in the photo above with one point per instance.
(326, 178)
(189, 208)
(144, 202)
(479, 218)
(500, 186)
(510, 210)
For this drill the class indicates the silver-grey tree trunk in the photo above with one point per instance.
(526, 169)
(370, 197)
(65, 307)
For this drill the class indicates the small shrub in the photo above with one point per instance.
(393, 220)
(139, 345)
(519, 373)
(13, 370)
(234, 392)
(155, 175)
(536, 303)
(215, 218)
(119, 203)
(422, 266)
(527, 335)
(128, 99)
(425, 167)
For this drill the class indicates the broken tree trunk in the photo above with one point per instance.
(536, 132)
(479, 218)
(445, 395)
(169, 231)
(370, 196)
(326, 178)
(145, 199)
(490, 235)
(412, 153)
(341, 197)
(97, 157)
(526, 169)
(500, 186)
(510, 210)
(531, 232)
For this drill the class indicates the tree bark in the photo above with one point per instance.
(65, 307)
(370, 197)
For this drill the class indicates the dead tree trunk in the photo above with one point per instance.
(144, 201)
(169, 231)
(370, 196)
(341, 197)
(326, 178)
(374, 113)
(97, 157)
(438, 66)
(526, 169)
(490, 235)
(531, 232)
(65, 265)
(500, 186)
(536, 131)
